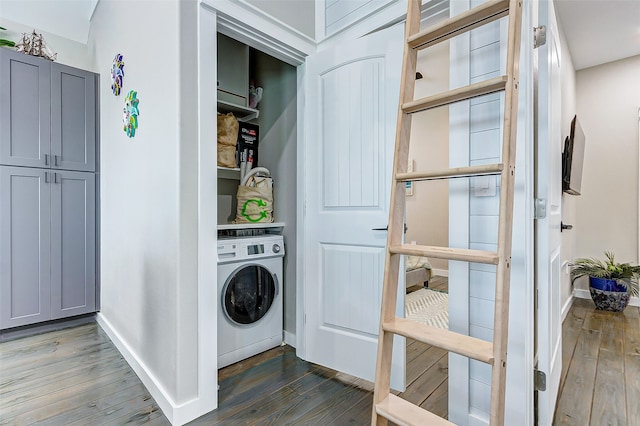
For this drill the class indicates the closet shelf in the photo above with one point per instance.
(242, 113)
(228, 173)
(251, 225)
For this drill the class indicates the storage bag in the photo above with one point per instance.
(227, 139)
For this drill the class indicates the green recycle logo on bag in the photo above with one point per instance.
(262, 214)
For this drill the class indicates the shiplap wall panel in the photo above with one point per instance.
(482, 284)
(481, 371)
(485, 35)
(484, 205)
(478, 391)
(481, 312)
(485, 138)
(480, 332)
(483, 144)
(484, 229)
(485, 116)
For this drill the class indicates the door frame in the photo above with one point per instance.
(281, 42)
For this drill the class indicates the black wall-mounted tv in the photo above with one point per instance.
(573, 159)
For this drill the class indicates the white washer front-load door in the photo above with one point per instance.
(351, 106)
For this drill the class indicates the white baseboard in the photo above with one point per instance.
(584, 294)
(567, 307)
(581, 293)
(177, 414)
(290, 339)
(440, 272)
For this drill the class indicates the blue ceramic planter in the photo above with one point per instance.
(608, 295)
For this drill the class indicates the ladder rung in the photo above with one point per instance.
(448, 340)
(456, 95)
(466, 255)
(466, 21)
(404, 413)
(488, 169)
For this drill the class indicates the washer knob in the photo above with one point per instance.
(276, 248)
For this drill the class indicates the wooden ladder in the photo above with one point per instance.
(386, 405)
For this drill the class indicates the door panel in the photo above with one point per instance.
(352, 94)
(73, 229)
(25, 94)
(548, 187)
(24, 246)
(73, 118)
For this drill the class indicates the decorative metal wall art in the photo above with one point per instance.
(117, 74)
(130, 113)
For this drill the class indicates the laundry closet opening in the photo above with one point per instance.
(256, 295)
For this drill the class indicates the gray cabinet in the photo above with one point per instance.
(73, 244)
(25, 277)
(25, 99)
(47, 245)
(48, 143)
(47, 112)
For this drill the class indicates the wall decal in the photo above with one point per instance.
(117, 74)
(130, 113)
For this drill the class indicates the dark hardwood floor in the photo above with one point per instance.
(77, 377)
(600, 382)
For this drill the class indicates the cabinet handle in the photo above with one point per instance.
(46, 159)
(46, 177)
(55, 178)
(55, 160)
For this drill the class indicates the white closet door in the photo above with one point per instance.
(352, 94)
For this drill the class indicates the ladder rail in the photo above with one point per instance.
(505, 226)
(396, 216)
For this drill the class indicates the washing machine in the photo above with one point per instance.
(249, 296)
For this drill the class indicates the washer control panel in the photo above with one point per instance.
(234, 249)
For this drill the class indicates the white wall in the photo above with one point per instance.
(149, 193)
(298, 14)
(428, 207)
(606, 213)
(66, 18)
(568, 77)
(69, 52)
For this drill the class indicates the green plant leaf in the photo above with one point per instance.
(8, 43)
(625, 274)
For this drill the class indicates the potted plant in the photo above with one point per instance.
(5, 42)
(610, 283)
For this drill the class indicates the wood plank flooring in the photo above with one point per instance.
(600, 381)
(76, 376)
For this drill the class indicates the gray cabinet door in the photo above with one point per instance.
(73, 244)
(73, 118)
(25, 94)
(24, 246)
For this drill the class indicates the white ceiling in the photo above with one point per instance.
(597, 31)
(66, 18)
(600, 31)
